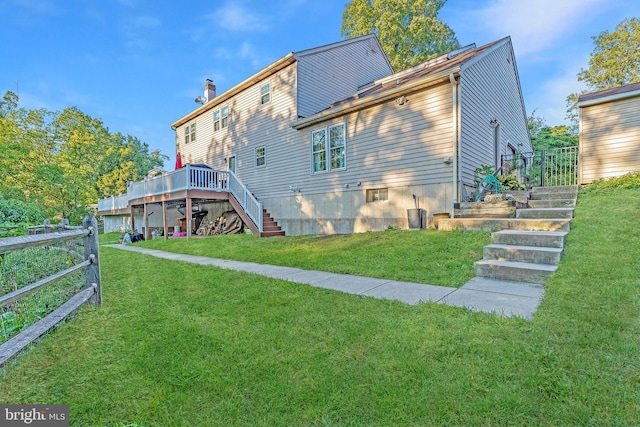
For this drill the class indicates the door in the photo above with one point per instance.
(231, 164)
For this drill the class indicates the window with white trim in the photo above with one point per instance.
(190, 133)
(221, 118)
(261, 156)
(265, 93)
(329, 149)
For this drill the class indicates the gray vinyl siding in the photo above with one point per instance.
(489, 89)
(330, 75)
(609, 139)
(387, 145)
(251, 125)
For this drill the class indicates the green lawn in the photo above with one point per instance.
(177, 344)
(421, 256)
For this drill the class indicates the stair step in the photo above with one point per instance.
(553, 203)
(555, 189)
(272, 233)
(528, 254)
(549, 239)
(515, 271)
(553, 195)
(497, 224)
(542, 213)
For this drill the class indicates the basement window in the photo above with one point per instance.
(377, 195)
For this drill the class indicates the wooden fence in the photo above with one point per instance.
(90, 288)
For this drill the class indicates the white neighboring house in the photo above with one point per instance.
(330, 140)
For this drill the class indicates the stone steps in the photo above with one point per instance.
(529, 247)
(515, 271)
(549, 239)
(552, 203)
(545, 213)
(530, 254)
(497, 224)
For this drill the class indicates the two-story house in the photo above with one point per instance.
(330, 140)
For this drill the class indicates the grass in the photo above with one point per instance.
(424, 256)
(186, 345)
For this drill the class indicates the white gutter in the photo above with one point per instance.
(377, 98)
(609, 98)
(455, 139)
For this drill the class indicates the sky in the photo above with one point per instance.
(138, 65)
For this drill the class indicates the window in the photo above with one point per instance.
(265, 94)
(319, 150)
(377, 195)
(225, 116)
(261, 156)
(190, 133)
(221, 118)
(335, 146)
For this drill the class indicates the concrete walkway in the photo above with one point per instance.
(504, 298)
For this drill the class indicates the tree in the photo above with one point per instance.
(615, 61)
(409, 31)
(61, 161)
(544, 137)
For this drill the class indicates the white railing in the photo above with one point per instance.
(249, 203)
(188, 178)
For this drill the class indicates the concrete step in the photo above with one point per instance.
(497, 224)
(553, 203)
(549, 239)
(553, 195)
(531, 254)
(543, 213)
(515, 271)
(556, 189)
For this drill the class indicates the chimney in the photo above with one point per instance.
(209, 90)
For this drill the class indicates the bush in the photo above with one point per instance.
(17, 211)
(630, 180)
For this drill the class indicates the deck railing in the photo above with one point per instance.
(187, 178)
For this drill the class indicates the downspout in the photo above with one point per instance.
(455, 140)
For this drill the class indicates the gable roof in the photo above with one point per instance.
(608, 95)
(429, 73)
(268, 71)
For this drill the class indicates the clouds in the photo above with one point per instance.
(536, 26)
(235, 17)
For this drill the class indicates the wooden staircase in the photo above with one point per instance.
(526, 248)
(270, 227)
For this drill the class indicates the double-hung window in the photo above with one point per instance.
(261, 156)
(190, 133)
(329, 149)
(265, 93)
(221, 118)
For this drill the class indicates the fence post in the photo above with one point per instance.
(91, 253)
(543, 172)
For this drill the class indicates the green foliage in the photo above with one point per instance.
(64, 161)
(630, 180)
(510, 182)
(409, 31)
(554, 137)
(17, 211)
(614, 61)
